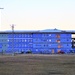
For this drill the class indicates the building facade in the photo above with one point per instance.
(38, 42)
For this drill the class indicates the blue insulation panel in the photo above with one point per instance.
(36, 42)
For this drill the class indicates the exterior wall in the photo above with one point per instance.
(35, 43)
(22, 42)
(52, 43)
(73, 44)
(3, 43)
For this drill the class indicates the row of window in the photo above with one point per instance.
(52, 35)
(35, 35)
(20, 45)
(52, 40)
(20, 40)
(19, 35)
(52, 45)
(36, 45)
(36, 40)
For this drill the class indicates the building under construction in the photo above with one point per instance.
(50, 41)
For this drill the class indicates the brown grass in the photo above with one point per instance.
(34, 64)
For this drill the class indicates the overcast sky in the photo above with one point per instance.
(37, 14)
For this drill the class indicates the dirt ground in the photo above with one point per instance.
(37, 64)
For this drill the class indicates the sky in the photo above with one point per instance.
(37, 14)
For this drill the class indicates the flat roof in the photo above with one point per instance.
(40, 31)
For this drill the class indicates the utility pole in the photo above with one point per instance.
(13, 52)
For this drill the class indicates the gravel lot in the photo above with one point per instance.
(37, 64)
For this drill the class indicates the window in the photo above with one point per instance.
(59, 46)
(68, 34)
(67, 39)
(36, 39)
(25, 35)
(45, 45)
(73, 40)
(58, 35)
(19, 40)
(44, 39)
(5, 45)
(73, 44)
(49, 40)
(8, 45)
(28, 35)
(22, 40)
(58, 41)
(16, 35)
(52, 51)
(49, 44)
(49, 34)
(25, 40)
(23, 45)
(29, 40)
(22, 35)
(16, 45)
(16, 40)
(59, 50)
(10, 40)
(30, 45)
(2, 35)
(36, 49)
(19, 45)
(67, 45)
(44, 35)
(5, 40)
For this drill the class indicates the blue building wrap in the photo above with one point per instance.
(37, 42)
